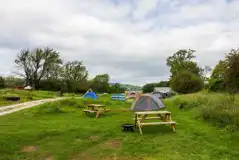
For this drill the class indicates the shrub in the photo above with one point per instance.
(186, 82)
(217, 85)
(148, 88)
(52, 85)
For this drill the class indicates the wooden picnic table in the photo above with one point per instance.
(162, 117)
(96, 108)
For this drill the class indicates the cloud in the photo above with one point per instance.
(129, 39)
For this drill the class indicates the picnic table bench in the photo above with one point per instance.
(163, 116)
(96, 108)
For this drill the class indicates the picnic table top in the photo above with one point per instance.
(152, 112)
(96, 105)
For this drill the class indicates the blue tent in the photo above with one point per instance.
(91, 95)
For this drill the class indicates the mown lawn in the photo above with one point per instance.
(61, 130)
(24, 95)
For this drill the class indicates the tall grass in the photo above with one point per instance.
(215, 108)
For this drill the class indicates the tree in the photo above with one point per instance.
(186, 82)
(75, 71)
(232, 72)
(219, 70)
(162, 84)
(217, 79)
(2, 83)
(36, 63)
(100, 83)
(52, 85)
(150, 86)
(54, 72)
(75, 76)
(182, 60)
(116, 88)
(147, 88)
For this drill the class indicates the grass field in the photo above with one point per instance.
(61, 131)
(24, 95)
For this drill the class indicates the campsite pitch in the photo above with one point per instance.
(60, 131)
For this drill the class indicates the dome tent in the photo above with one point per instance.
(90, 94)
(147, 102)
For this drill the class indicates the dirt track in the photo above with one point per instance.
(17, 107)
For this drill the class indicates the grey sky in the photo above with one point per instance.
(128, 39)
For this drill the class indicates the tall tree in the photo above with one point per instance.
(75, 76)
(183, 60)
(186, 74)
(219, 70)
(232, 72)
(75, 71)
(36, 63)
(54, 72)
(217, 79)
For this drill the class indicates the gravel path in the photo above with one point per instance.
(17, 107)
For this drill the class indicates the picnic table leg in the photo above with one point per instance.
(135, 124)
(173, 125)
(170, 118)
(140, 129)
(166, 118)
(97, 113)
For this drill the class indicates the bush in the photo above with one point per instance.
(13, 82)
(186, 82)
(52, 85)
(148, 88)
(217, 85)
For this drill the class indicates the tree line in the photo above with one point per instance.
(45, 69)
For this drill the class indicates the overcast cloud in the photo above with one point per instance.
(128, 39)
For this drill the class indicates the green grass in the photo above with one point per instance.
(25, 95)
(60, 130)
